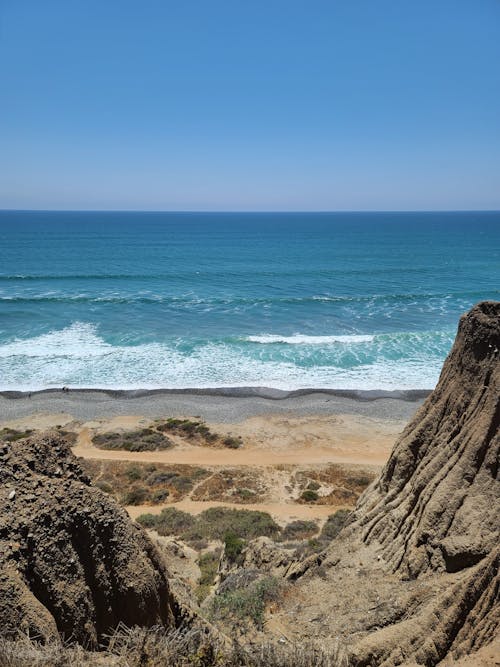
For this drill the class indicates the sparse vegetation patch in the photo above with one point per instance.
(143, 440)
(197, 432)
(212, 524)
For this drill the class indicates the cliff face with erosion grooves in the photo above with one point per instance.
(434, 513)
(414, 578)
(71, 561)
(436, 504)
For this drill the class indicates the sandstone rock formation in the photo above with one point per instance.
(436, 504)
(436, 507)
(414, 578)
(71, 561)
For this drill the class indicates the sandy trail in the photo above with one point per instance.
(252, 457)
(269, 441)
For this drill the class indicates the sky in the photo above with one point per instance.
(250, 104)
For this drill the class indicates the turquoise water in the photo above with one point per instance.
(350, 301)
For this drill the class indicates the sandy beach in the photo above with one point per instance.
(284, 435)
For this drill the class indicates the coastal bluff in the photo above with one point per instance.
(72, 563)
(413, 578)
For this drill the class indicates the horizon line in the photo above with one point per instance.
(246, 212)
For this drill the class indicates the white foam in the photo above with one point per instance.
(78, 357)
(302, 339)
(79, 340)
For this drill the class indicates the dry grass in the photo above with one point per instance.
(139, 647)
(232, 485)
(333, 485)
(152, 483)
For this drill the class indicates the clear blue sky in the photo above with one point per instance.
(250, 104)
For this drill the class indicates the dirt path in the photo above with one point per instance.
(253, 457)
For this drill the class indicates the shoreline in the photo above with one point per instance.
(244, 392)
(219, 405)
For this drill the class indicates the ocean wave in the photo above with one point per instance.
(78, 356)
(394, 300)
(301, 339)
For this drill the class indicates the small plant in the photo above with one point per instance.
(160, 495)
(313, 485)
(231, 442)
(144, 440)
(299, 530)
(148, 520)
(334, 524)
(246, 494)
(133, 473)
(136, 496)
(247, 603)
(104, 486)
(233, 546)
(208, 564)
(11, 434)
(309, 496)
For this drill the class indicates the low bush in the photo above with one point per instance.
(12, 434)
(233, 546)
(144, 440)
(159, 495)
(309, 496)
(299, 530)
(208, 564)
(170, 521)
(133, 473)
(213, 524)
(136, 496)
(104, 486)
(232, 443)
(334, 524)
(246, 603)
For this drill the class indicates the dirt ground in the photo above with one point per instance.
(277, 451)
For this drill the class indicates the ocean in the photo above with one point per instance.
(290, 300)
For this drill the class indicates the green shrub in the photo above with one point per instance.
(298, 530)
(215, 522)
(133, 473)
(233, 546)
(309, 496)
(246, 603)
(136, 496)
(334, 524)
(313, 485)
(11, 434)
(143, 440)
(148, 520)
(172, 521)
(104, 486)
(159, 495)
(208, 564)
(231, 442)
(246, 494)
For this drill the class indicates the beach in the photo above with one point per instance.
(283, 435)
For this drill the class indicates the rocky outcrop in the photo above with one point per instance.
(71, 561)
(414, 578)
(435, 506)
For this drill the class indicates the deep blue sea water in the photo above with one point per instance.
(345, 300)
